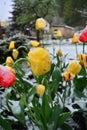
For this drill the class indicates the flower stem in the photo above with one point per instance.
(76, 50)
(38, 35)
(21, 59)
(83, 47)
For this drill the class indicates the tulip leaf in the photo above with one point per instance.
(56, 77)
(46, 108)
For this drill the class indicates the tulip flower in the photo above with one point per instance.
(40, 89)
(9, 61)
(59, 34)
(60, 53)
(39, 60)
(40, 24)
(68, 76)
(83, 60)
(7, 78)
(75, 40)
(15, 53)
(11, 45)
(74, 67)
(83, 37)
(34, 43)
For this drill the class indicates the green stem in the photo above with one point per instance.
(22, 47)
(76, 49)
(21, 59)
(38, 35)
(83, 47)
(60, 44)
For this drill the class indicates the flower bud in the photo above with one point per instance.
(11, 45)
(60, 53)
(59, 34)
(9, 61)
(75, 38)
(15, 53)
(40, 89)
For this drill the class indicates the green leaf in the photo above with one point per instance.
(46, 108)
(56, 79)
(56, 110)
(56, 75)
(5, 124)
(32, 91)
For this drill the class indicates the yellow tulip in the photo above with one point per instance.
(74, 67)
(59, 34)
(60, 53)
(83, 60)
(34, 43)
(40, 24)
(75, 38)
(40, 89)
(39, 60)
(68, 76)
(11, 45)
(9, 61)
(15, 53)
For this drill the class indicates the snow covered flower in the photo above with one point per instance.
(39, 60)
(40, 24)
(11, 45)
(40, 89)
(7, 78)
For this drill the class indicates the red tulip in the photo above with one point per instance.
(7, 78)
(83, 36)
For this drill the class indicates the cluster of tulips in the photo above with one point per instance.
(43, 101)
